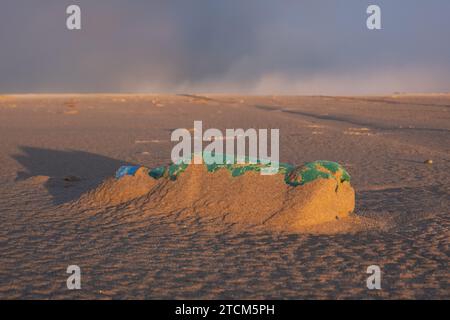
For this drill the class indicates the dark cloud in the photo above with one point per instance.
(255, 46)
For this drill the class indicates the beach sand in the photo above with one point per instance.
(57, 151)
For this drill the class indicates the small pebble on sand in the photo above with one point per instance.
(72, 178)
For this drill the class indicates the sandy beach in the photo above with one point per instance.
(55, 149)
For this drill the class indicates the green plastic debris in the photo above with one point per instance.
(293, 176)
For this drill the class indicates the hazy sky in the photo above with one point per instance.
(246, 46)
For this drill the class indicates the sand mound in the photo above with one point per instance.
(116, 191)
(296, 197)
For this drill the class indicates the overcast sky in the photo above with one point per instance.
(245, 46)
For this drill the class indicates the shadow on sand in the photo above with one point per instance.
(66, 173)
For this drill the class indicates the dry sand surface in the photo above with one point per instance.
(59, 152)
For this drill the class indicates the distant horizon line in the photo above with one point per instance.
(199, 94)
